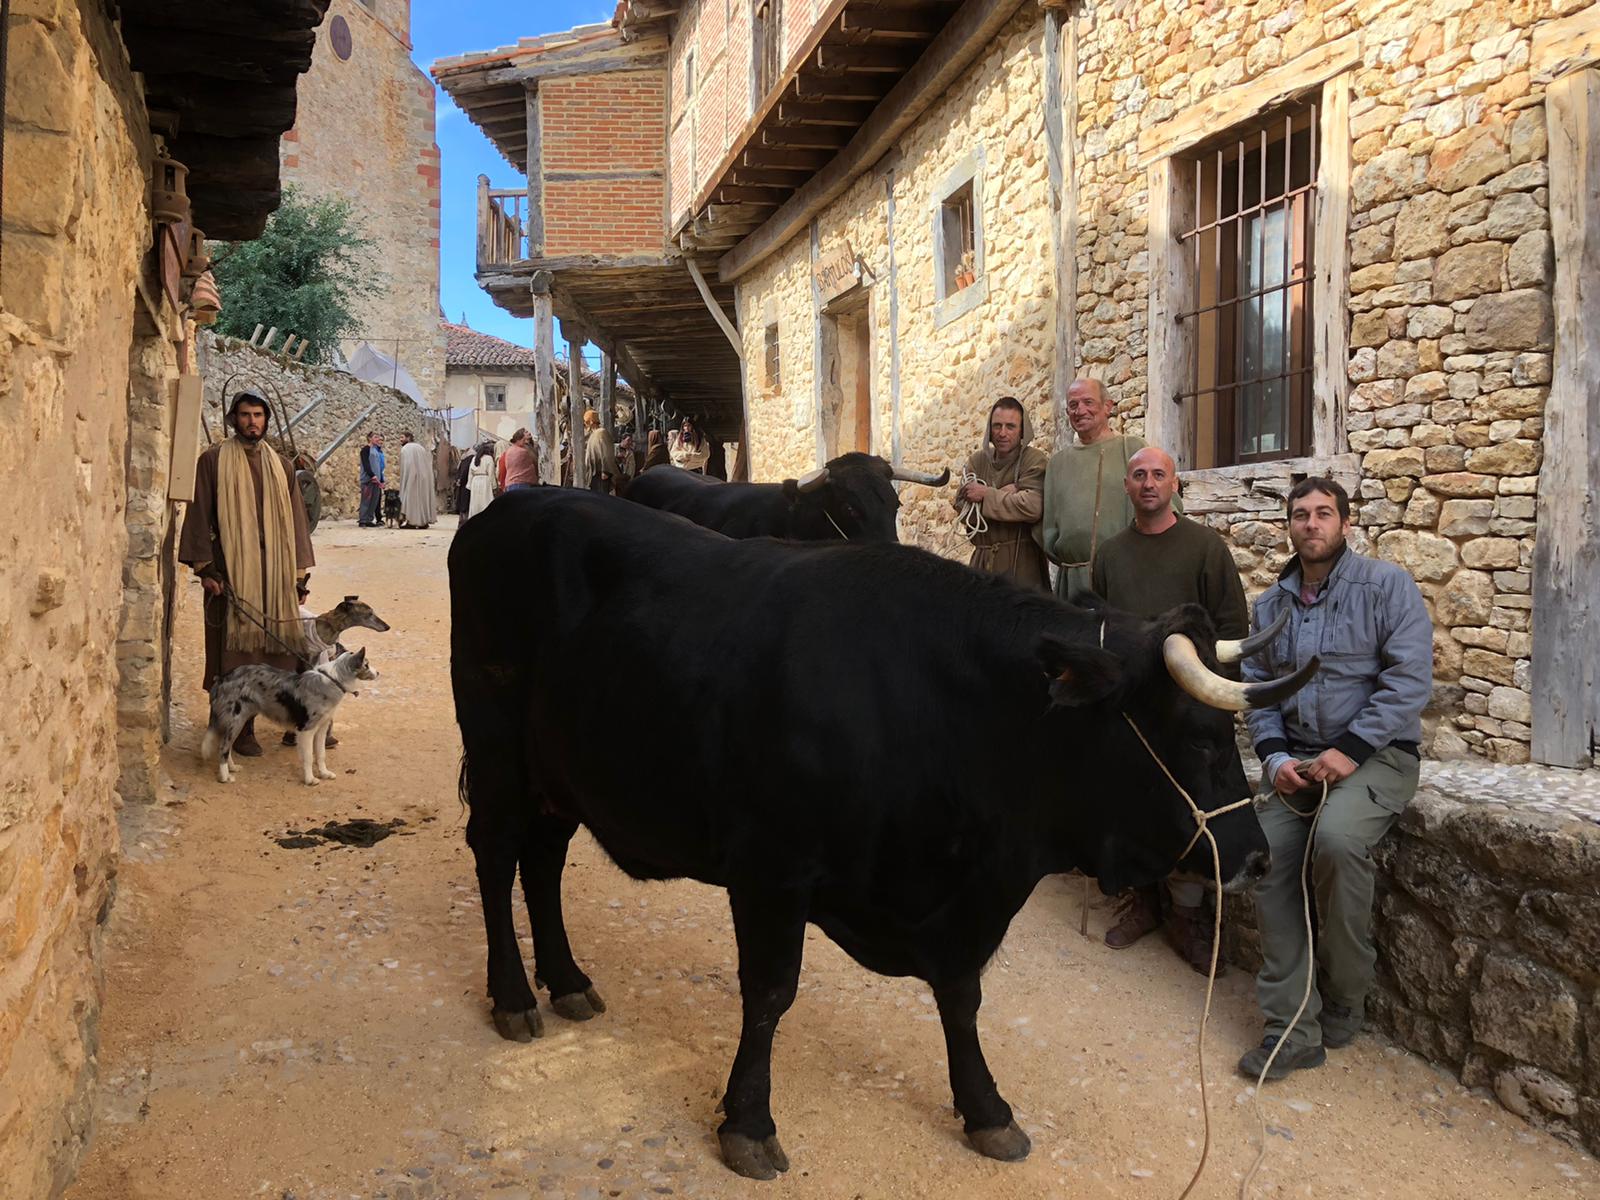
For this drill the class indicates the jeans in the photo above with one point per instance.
(371, 500)
(1358, 813)
(513, 487)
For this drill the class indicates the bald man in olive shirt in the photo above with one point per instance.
(1161, 561)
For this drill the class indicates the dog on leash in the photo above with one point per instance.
(305, 700)
(394, 515)
(322, 636)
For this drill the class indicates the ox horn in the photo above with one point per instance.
(1232, 651)
(812, 480)
(1206, 686)
(926, 478)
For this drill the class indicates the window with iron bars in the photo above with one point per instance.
(1250, 250)
(774, 371)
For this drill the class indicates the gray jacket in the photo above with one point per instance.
(1371, 629)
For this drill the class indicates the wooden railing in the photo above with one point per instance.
(502, 225)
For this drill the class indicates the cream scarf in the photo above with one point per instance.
(242, 541)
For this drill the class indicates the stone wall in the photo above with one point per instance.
(343, 397)
(75, 227)
(364, 131)
(1488, 932)
(951, 370)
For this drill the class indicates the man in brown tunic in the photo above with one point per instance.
(1007, 490)
(234, 636)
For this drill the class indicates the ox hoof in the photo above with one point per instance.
(521, 1026)
(752, 1159)
(1006, 1143)
(579, 1006)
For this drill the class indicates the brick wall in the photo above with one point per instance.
(601, 158)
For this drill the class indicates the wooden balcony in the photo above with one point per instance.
(503, 227)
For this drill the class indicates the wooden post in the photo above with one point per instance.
(720, 317)
(1169, 423)
(1566, 556)
(608, 395)
(546, 429)
(1060, 125)
(1330, 381)
(535, 178)
(580, 476)
(483, 222)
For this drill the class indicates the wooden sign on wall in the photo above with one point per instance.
(836, 272)
(185, 437)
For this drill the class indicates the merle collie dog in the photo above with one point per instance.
(304, 701)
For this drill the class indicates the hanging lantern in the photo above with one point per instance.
(196, 261)
(169, 196)
(205, 301)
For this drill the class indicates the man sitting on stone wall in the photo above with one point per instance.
(1353, 729)
(1161, 561)
(246, 533)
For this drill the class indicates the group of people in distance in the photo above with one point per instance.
(1106, 511)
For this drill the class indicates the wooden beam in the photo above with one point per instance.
(803, 161)
(1330, 380)
(808, 137)
(535, 171)
(961, 41)
(1170, 423)
(823, 112)
(901, 23)
(1243, 101)
(716, 309)
(1060, 129)
(890, 60)
(839, 87)
(544, 388)
(1566, 553)
(576, 434)
(608, 394)
(733, 193)
(1564, 45)
(766, 176)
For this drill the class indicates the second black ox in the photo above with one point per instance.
(850, 498)
(831, 765)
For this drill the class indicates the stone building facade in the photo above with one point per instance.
(364, 131)
(94, 337)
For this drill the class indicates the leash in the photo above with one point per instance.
(243, 609)
(972, 521)
(835, 525)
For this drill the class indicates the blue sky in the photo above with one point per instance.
(440, 28)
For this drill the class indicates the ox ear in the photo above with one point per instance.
(1080, 675)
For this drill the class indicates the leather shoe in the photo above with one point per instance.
(1293, 1057)
(1340, 1025)
(245, 745)
(1139, 914)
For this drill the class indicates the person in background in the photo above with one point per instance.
(371, 480)
(655, 454)
(1007, 478)
(246, 536)
(1160, 561)
(627, 460)
(599, 455)
(1084, 501)
(416, 483)
(480, 479)
(687, 447)
(519, 465)
(1355, 730)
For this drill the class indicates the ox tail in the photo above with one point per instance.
(209, 744)
(463, 788)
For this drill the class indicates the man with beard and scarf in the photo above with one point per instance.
(1158, 562)
(1355, 728)
(246, 536)
(1003, 486)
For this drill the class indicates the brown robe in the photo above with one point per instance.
(200, 545)
(1009, 547)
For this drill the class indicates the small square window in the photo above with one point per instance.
(958, 227)
(774, 366)
(494, 397)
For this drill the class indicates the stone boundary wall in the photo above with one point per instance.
(1488, 935)
(343, 398)
(76, 227)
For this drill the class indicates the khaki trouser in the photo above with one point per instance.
(1359, 811)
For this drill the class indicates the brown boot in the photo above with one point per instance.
(1189, 930)
(245, 745)
(1138, 914)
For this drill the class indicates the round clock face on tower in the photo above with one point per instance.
(339, 35)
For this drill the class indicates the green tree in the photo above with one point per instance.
(305, 274)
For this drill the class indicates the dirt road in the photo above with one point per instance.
(311, 1022)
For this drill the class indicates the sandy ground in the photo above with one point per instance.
(311, 1023)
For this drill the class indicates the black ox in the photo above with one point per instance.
(849, 498)
(884, 743)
